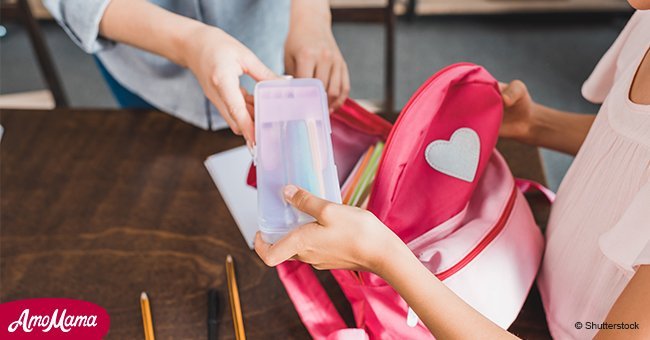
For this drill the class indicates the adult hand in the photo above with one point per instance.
(311, 52)
(518, 111)
(342, 237)
(218, 60)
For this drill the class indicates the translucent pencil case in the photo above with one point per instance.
(292, 131)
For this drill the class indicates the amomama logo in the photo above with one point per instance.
(52, 318)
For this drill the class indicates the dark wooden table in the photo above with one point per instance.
(102, 204)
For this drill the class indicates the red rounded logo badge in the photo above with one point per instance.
(53, 318)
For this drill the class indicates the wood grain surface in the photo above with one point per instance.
(101, 205)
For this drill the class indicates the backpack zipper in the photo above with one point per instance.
(412, 318)
(496, 230)
(498, 227)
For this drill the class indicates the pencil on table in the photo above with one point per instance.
(235, 306)
(146, 317)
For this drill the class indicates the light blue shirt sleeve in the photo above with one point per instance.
(261, 25)
(80, 20)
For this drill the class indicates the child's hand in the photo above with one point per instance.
(517, 111)
(342, 237)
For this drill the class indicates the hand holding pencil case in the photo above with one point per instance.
(445, 190)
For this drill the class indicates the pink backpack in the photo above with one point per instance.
(442, 187)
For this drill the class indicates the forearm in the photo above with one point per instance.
(310, 10)
(149, 27)
(559, 130)
(442, 311)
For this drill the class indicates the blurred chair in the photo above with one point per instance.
(378, 11)
(463, 7)
(20, 10)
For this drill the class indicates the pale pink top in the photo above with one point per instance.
(599, 229)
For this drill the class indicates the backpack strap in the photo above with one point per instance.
(526, 185)
(310, 299)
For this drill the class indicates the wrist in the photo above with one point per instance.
(393, 256)
(187, 41)
(540, 124)
(310, 11)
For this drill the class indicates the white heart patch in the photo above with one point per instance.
(458, 157)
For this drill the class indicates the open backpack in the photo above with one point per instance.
(445, 190)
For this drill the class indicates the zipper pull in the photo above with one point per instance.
(411, 318)
(252, 149)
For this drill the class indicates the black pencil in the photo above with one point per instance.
(213, 313)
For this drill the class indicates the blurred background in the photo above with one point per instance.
(552, 45)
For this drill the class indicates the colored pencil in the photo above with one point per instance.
(235, 306)
(146, 317)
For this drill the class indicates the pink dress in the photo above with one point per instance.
(599, 229)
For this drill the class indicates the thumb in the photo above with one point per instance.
(502, 87)
(253, 67)
(306, 202)
(513, 92)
